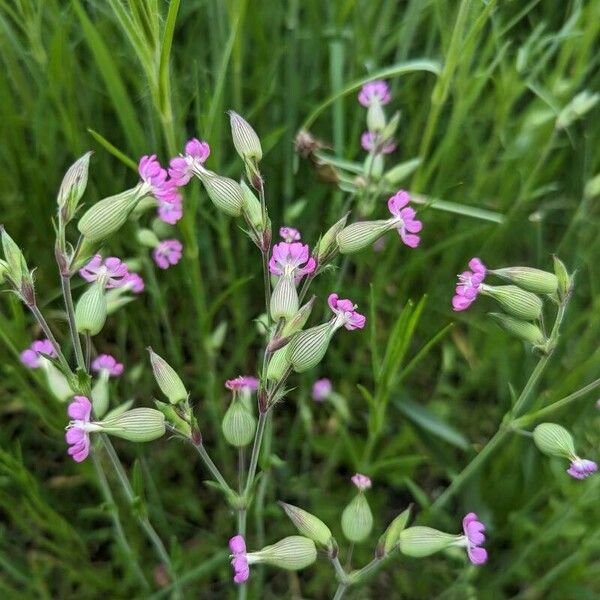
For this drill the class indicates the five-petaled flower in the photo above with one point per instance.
(289, 234)
(371, 142)
(469, 284)
(291, 259)
(346, 314)
(38, 349)
(581, 468)
(473, 538)
(404, 218)
(321, 389)
(112, 271)
(170, 209)
(156, 178)
(79, 428)
(374, 91)
(134, 282)
(167, 253)
(108, 363)
(243, 382)
(362, 482)
(183, 167)
(239, 559)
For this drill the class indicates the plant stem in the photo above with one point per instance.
(341, 590)
(35, 311)
(258, 437)
(339, 570)
(210, 465)
(65, 281)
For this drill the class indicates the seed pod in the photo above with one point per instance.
(307, 348)
(225, 193)
(391, 536)
(91, 310)
(284, 299)
(515, 301)
(308, 525)
(375, 117)
(136, 425)
(168, 381)
(527, 278)
(423, 541)
(238, 425)
(357, 519)
(291, 553)
(72, 187)
(245, 140)
(359, 235)
(327, 246)
(528, 332)
(554, 440)
(100, 395)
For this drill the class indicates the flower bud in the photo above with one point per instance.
(107, 216)
(391, 536)
(284, 299)
(388, 132)
(100, 395)
(554, 440)
(168, 381)
(527, 278)
(278, 365)
(15, 266)
(136, 425)
(423, 541)
(252, 208)
(515, 301)
(238, 425)
(308, 525)
(357, 519)
(72, 187)
(565, 281)
(57, 382)
(172, 417)
(375, 117)
(291, 553)
(147, 237)
(307, 348)
(298, 321)
(3, 270)
(91, 309)
(327, 245)
(374, 164)
(528, 332)
(359, 235)
(225, 193)
(245, 140)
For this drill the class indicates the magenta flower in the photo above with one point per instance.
(321, 389)
(78, 429)
(108, 363)
(156, 178)
(474, 537)
(31, 356)
(374, 91)
(181, 168)
(362, 482)
(239, 561)
(346, 314)
(292, 259)
(370, 141)
(404, 220)
(134, 282)
(111, 271)
(469, 284)
(581, 468)
(167, 253)
(289, 234)
(243, 382)
(170, 209)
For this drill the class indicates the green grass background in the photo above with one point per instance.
(480, 85)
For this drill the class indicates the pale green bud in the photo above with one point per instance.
(577, 108)
(298, 321)
(554, 440)
(72, 187)
(308, 525)
(57, 382)
(284, 299)
(357, 519)
(401, 171)
(592, 187)
(15, 265)
(528, 332)
(252, 208)
(423, 541)
(515, 301)
(100, 394)
(147, 237)
(291, 553)
(116, 299)
(373, 166)
(238, 425)
(565, 281)
(532, 280)
(108, 215)
(91, 309)
(375, 117)
(388, 132)
(225, 193)
(136, 425)
(327, 245)
(278, 365)
(167, 379)
(358, 236)
(390, 539)
(3, 270)
(307, 348)
(173, 417)
(245, 140)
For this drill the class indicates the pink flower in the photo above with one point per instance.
(243, 382)
(289, 234)
(112, 271)
(156, 178)
(181, 168)
(321, 389)
(581, 468)
(77, 435)
(170, 209)
(292, 259)
(106, 362)
(370, 142)
(474, 537)
(346, 314)
(31, 356)
(362, 482)
(239, 561)
(134, 282)
(167, 253)
(469, 284)
(405, 221)
(374, 91)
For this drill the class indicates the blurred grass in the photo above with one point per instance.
(483, 126)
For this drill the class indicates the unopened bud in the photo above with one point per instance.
(307, 348)
(167, 379)
(565, 281)
(528, 332)
(57, 382)
(359, 235)
(15, 267)
(391, 537)
(298, 321)
(72, 187)
(423, 541)
(245, 140)
(327, 245)
(100, 394)
(225, 193)
(375, 117)
(91, 310)
(136, 425)
(388, 132)
(238, 425)
(147, 237)
(308, 525)
(284, 299)
(3, 270)
(532, 280)
(278, 365)
(554, 440)
(252, 208)
(515, 301)
(291, 553)
(357, 519)
(374, 164)
(173, 418)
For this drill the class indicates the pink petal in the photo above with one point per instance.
(478, 555)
